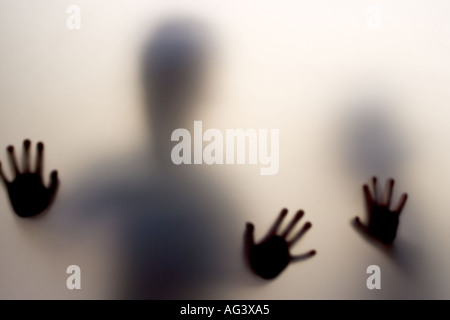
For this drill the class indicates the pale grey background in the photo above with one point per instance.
(300, 66)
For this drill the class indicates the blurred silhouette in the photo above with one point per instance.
(171, 221)
(27, 192)
(376, 140)
(383, 222)
(373, 140)
(271, 256)
(177, 60)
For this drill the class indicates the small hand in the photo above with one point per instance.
(383, 222)
(27, 193)
(269, 258)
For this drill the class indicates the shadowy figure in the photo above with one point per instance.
(172, 223)
(271, 256)
(373, 139)
(383, 222)
(27, 192)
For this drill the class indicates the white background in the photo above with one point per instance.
(299, 66)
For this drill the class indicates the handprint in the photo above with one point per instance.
(271, 256)
(27, 192)
(383, 222)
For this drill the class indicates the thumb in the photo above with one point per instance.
(248, 236)
(54, 182)
(2, 176)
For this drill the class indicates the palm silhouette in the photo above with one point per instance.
(27, 192)
(271, 256)
(383, 222)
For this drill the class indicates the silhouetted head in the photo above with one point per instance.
(372, 138)
(174, 68)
